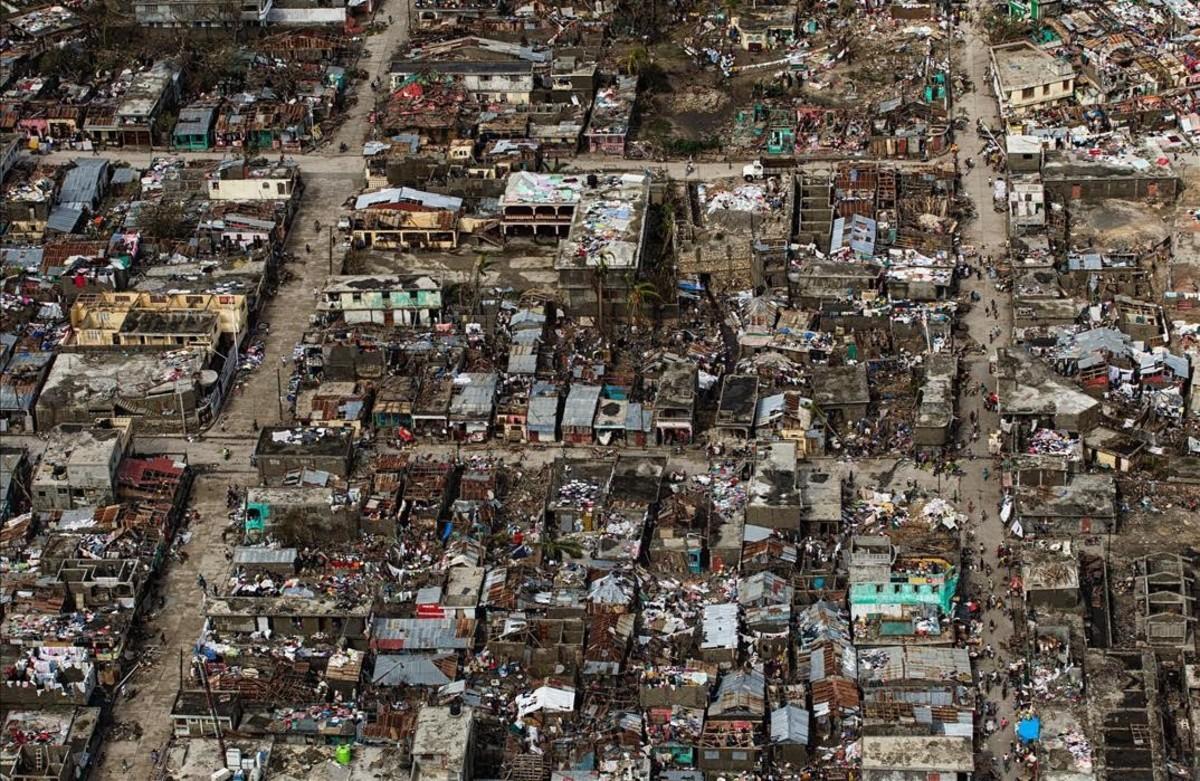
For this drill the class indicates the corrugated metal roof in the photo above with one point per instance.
(250, 555)
(25, 258)
(580, 409)
(429, 595)
(789, 724)
(194, 121)
(84, 182)
(408, 670)
(18, 392)
(719, 626)
(822, 621)
(7, 343)
(528, 318)
(543, 412)
(638, 418)
(614, 588)
(740, 692)
(1089, 261)
(742, 682)
(901, 663)
(766, 587)
(401, 194)
(125, 175)
(64, 219)
(522, 359)
(476, 395)
(420, 633)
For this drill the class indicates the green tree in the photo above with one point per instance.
(1002, 28)
(600, 275)
(637, 58)
(163, 219)
(667, 228)
(483, 264)
(558, 549)
(640, 294)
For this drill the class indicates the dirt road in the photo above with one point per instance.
(988, 232)
(326, 160)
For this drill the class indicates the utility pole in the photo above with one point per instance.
(212, 706)
(279, 392)
(182, 416)
(331, 250)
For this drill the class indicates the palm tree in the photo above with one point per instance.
(558, 549)
(483, 264)
(731, 8)
(636, 59)
(600, 273)
(668, 226)
(639, 294)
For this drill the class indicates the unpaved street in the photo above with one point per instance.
(988, 232)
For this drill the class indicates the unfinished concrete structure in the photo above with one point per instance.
(284, 451)
(736, 234)
(603, 249)
(1166, 606)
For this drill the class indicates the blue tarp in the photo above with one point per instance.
(1029, 730)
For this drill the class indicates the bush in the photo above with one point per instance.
(688, 146)
(1002, 28)
(654, 78)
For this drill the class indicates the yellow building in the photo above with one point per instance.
(157, 320)
(1025, 76)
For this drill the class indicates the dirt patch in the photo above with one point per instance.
(125, 730)
(1114, 224)
(696, 98)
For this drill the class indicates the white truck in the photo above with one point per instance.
(761, 169)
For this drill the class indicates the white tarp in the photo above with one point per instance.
(545, 698)
(307, 16)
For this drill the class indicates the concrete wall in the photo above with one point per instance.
(251, 189)
(272, 469)
(1125, 187)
